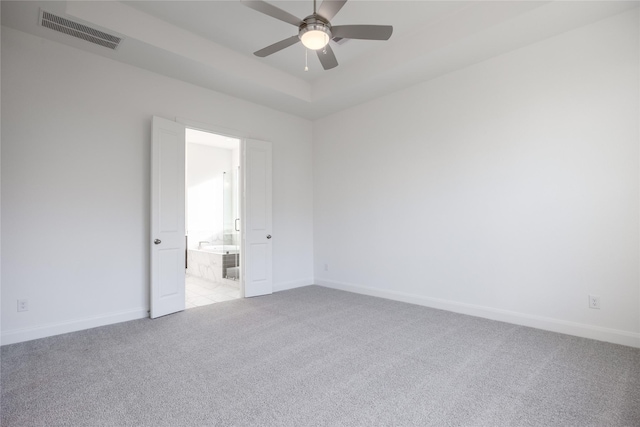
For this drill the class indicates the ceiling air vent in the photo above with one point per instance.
(77, 30)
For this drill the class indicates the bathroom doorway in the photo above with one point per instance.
(212, 214)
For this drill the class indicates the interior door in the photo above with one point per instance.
(257, 219)
(167, 217)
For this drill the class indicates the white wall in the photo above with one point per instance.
(508, 189)
(75, 183)
(205, 199)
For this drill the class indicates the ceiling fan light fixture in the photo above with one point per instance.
(315, 36)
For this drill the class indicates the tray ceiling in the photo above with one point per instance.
(210, 43)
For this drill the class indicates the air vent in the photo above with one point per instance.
(77, 30)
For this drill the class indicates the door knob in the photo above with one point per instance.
(157, 241)
(268, 236)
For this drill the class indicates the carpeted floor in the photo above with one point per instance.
(318, 357)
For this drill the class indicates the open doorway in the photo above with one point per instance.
(168, 245)
(212, 214)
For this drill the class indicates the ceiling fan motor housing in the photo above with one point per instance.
(315, 23)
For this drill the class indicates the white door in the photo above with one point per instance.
(167, 217)
(257, 246)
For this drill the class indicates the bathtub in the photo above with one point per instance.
(220, 249)
(215, 263)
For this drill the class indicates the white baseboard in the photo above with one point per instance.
(43, 331)
(615, 336)
(27, 334)
(277, 287)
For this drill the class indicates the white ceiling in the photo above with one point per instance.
(245, 31)
(210, 43)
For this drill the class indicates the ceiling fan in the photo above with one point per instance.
(315, 31)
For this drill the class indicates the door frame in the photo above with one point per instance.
(206, 127)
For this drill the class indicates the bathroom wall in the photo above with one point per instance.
(204, 180)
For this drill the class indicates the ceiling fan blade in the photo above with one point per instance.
(276, 47)
(328, 59)
(272, 11)
(363, 32)
(329, 8)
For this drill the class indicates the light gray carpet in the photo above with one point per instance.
(318, 357)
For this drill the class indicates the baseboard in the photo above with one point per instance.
(28, 334)
(277, 287)
(43, 331)
(615, 336)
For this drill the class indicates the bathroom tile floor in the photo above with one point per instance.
(201, 292)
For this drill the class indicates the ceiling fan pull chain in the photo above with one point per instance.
(306, 57)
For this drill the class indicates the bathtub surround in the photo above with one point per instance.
(213, 265)
(204, 265)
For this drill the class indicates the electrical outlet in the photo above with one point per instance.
(594, 301)
(326, 267)
(23, 305)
